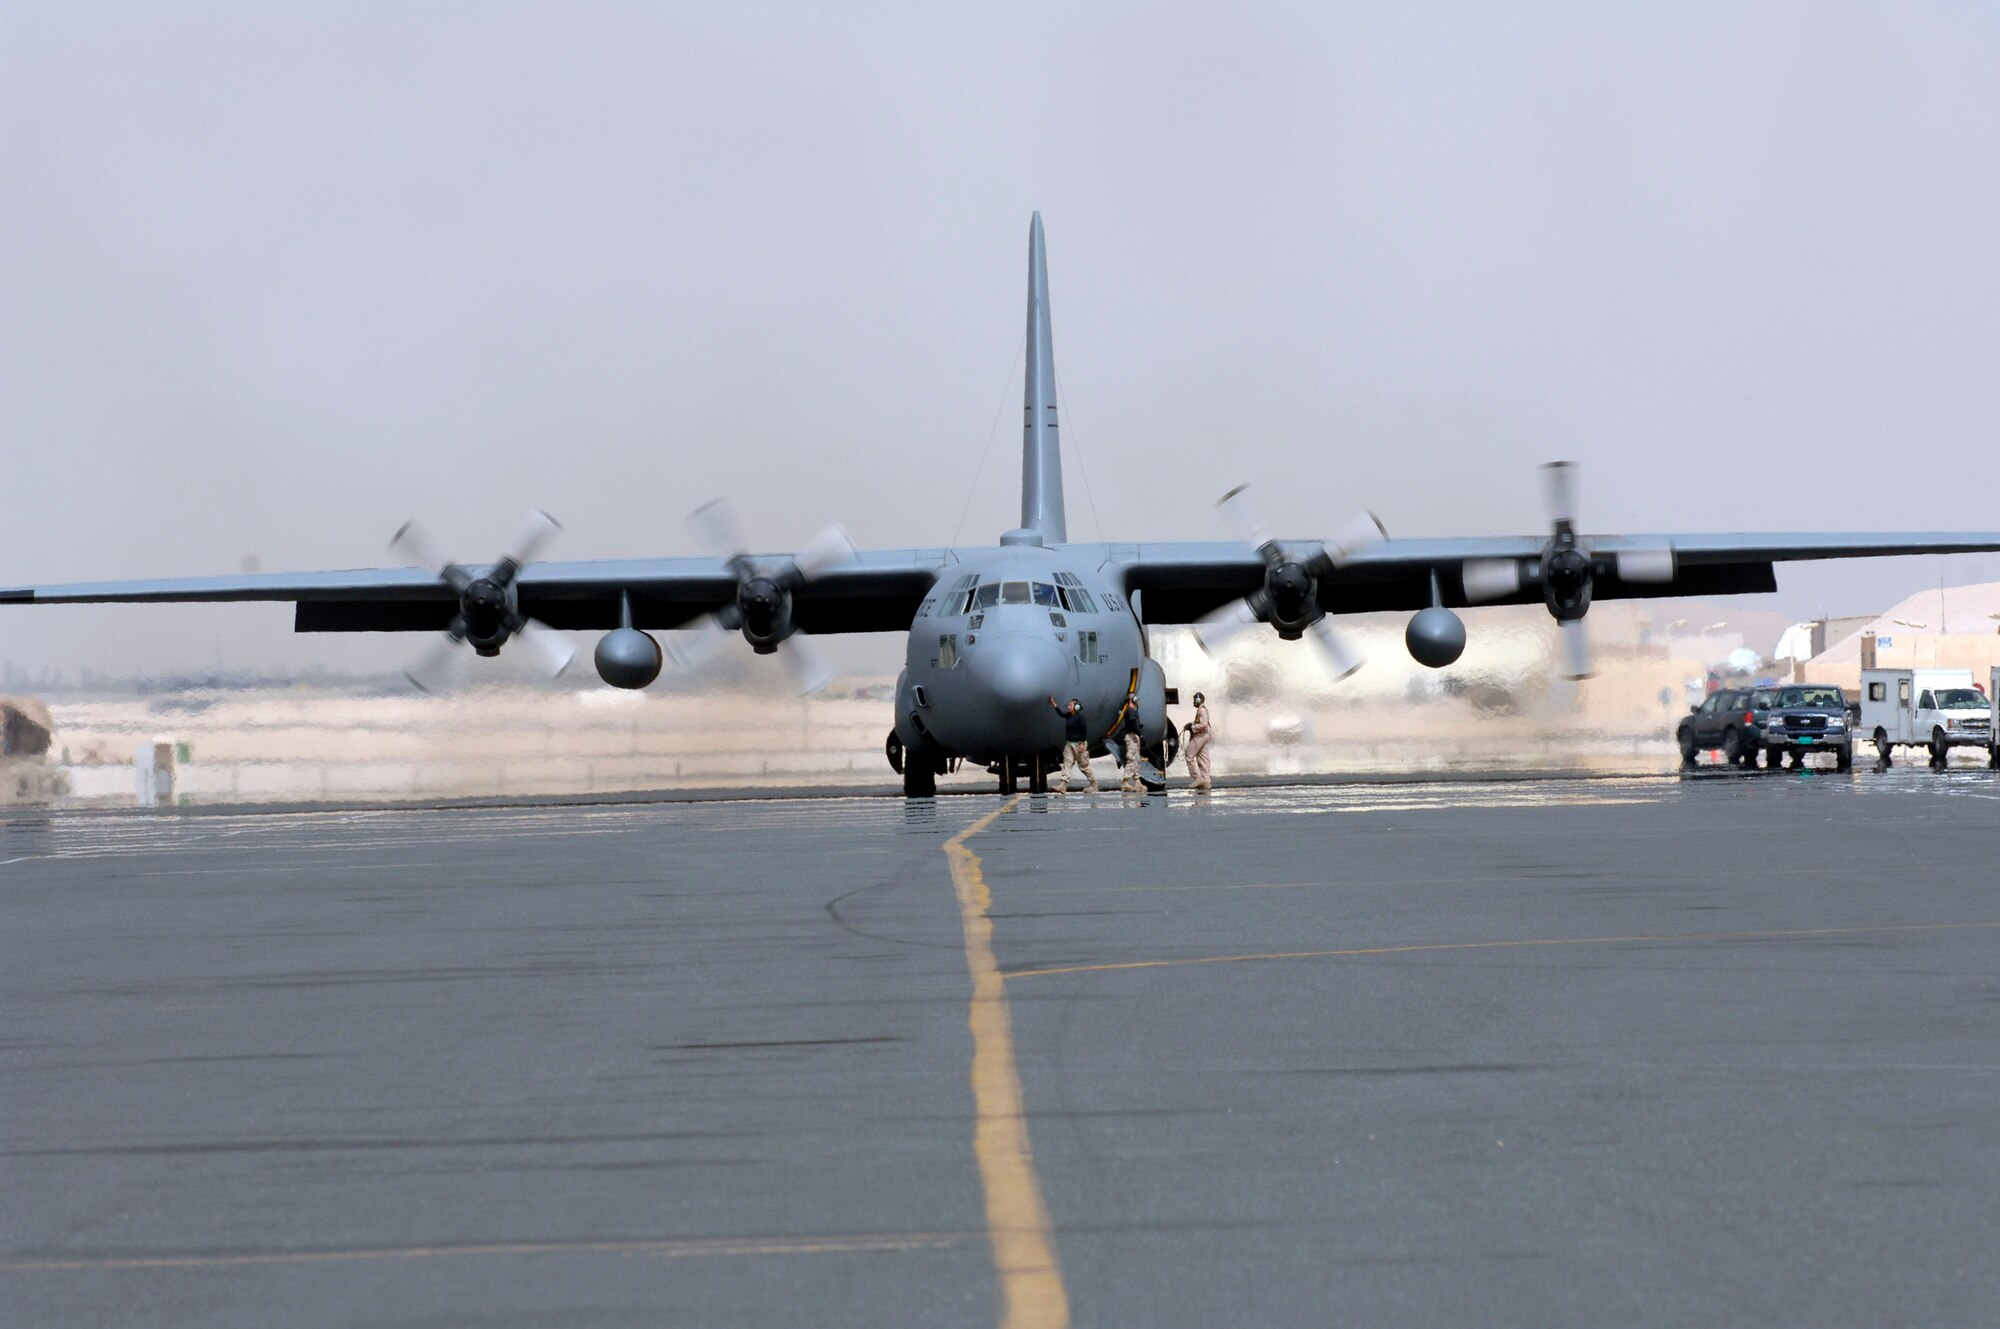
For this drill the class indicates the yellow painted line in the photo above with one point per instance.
(683, 1248)
(1637, 940)
(1017, 1221)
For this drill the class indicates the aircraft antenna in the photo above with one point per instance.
(1089, 496)
(1006, 390)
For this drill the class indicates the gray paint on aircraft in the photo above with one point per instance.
(1041, 451)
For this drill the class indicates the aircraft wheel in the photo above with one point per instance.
(919, 780)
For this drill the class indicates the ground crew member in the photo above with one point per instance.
(1198, 733)
(1076, 743)
(1134, 734)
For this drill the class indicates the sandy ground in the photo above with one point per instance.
(296, 743)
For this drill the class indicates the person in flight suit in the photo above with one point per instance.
(1199, 731)
(1076, 743)
(1134, 734)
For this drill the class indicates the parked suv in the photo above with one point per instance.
(1729, 720)
(1807, 717)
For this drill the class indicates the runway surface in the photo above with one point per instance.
(1646, 1051)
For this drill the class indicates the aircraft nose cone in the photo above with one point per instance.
(1018, 676)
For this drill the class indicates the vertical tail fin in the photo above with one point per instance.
(1041, 452)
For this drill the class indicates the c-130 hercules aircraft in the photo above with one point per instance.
(995, 632)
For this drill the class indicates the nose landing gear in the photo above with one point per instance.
(1036, 768)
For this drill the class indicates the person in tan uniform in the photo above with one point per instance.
(1134, 735)
(1076, 744)
(1199, 731)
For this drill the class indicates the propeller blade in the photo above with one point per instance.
(698, 643)
(1341, 656)
(552, 650)
(808, 665)
(1242, 517)
(1356, 534)
(413, 545)
(1559, 491)
(715, 529)
(1654, 565)
(1576, 651)
(1214, 630)
(1490, 578)
(430, 671)
(829, 549)
(533, 538)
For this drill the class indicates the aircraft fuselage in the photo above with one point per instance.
(1001, 633)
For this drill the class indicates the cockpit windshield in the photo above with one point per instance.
(993, 593)
(1811, 697)
(1960, 699)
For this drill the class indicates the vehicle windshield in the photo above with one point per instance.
(1812, 697)
(1960, 699)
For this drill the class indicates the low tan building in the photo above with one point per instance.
(1956, 627)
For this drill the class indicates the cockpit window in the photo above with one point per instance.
(1078, 601)
(1045, 595)
(987, 596)
(1014, 593)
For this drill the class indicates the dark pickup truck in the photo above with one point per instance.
(1730, 722)
(1807, 717)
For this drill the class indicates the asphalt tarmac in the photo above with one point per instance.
(1676, 1051)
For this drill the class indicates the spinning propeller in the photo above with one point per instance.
(762, 611)
(489, 608)
(1289, 598)
(1564, 570)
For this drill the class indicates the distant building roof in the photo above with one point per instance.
(1964, 610)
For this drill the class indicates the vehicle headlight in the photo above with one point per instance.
(1835, 722)
(1950, 723)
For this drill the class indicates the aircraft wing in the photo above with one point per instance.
(878, 592)
(1180, 582)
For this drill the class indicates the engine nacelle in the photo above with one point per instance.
(628, 658)
(765, 605)
(1436, 637)
(1290, 592)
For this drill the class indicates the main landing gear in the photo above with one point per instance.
(918, 767)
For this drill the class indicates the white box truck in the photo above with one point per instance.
(1993, 718)
(1938, 709)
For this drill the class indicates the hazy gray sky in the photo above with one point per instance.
(274, 278)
